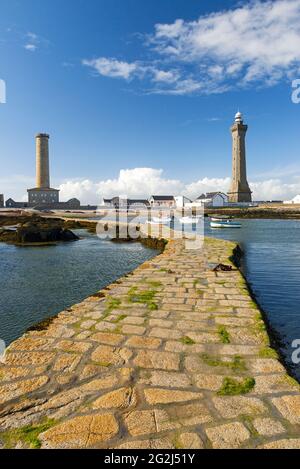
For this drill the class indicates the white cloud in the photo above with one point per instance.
(213, 119)
(34, 37)
(258, 41)
(254, 44)
(137, 182)
(275, 189)
(33, 42)
(143, 182)
(112, 68)
(194, 189)
(181, 87)
(30, 47)
(166, 77)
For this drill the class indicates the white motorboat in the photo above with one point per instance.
(189, 220)
(151, 222)
(9, 228)
(220, 218)
(225, 224)
(161, 220)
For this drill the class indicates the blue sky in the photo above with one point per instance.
(150, 87)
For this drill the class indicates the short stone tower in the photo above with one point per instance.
(239, 190)
(42, 161)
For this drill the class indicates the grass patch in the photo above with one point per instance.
(259, 322)
(267, 352)
(224, 335)
(186, 340)
(177, 443)
(254, 305)
(232, 387)
(104, 364)
(261, 327)
(144, 297)
(237, 363)
(77, 325)
(28, 435)
(291, 381)
(258, 317)
(248, 421)
(119, 318)
(154, 284)
(244, 291)
(112, 303)
(212, 309)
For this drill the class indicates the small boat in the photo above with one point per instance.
(225, 224)
(161, 220)
(9, 228)
(220, 218)
(158, 221)
(189, 220)
(151, 222)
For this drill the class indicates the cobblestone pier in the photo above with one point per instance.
(173, 355)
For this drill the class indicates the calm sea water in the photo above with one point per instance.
(272, 267)
(36, 283)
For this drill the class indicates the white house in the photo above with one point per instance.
(211, 199)
(218, 199)
(181, 201)
(163, 201)
(295, 200)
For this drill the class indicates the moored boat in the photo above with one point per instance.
(158, 221)
(220, 218)
(161, 219)
(225, 224)
(189, 220)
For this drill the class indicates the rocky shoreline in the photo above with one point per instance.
(34, 231)
(267, 212)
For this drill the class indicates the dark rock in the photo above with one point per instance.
(38, 230)
(222, 268)
(42, 325)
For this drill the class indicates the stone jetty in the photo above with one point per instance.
(173, 355)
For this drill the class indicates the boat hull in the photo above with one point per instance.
(225, 225)
(220, 219)
(161, 220)
(189, 220)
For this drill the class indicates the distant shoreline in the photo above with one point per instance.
(274, 211)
